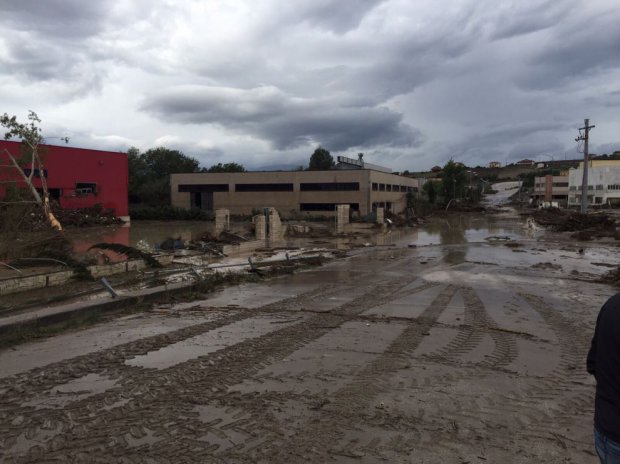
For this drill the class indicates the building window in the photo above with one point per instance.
(375, 186)
(329, 186)
(85, 188)
(563, 184)
(382, 187)
(403, 188)
(572, 188)
(590, 187)
(263, 187)
(599, 187)
(395, 188)
(203, 188)
(317, 206)
(613, 187)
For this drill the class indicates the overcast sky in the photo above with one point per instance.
(410, 83)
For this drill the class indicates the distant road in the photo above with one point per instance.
(504, 191)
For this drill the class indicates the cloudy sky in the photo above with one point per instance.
(410, 83)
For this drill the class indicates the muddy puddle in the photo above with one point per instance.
(209, 342)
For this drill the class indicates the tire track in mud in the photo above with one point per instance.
(574, 345)
(540, 407)
(353, 399)
(477, 323)
(82, 425)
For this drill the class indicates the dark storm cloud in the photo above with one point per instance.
(510, 142)
(527, 17)
(282, 120)
(335, 15)
(59, 18)
(577, 50)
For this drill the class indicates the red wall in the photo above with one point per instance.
(66, 165)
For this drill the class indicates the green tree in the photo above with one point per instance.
(430, 190)
(226, 167)
(149, 173)
(321, 160)
(453, 181)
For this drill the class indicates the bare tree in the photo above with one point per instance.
(30, 135)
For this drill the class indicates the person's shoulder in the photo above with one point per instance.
(612, 304)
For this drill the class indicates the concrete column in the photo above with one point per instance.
(380, 216)
(260, 226)
(222, 221)
(342, 217)
(275, 225)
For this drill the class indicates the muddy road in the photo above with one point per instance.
(442, 353)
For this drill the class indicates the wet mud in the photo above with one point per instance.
(449, 352)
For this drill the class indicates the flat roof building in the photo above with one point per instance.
(293, 192)
(76, 177)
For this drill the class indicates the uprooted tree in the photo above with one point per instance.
(31, 138)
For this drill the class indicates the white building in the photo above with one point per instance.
(603, 183)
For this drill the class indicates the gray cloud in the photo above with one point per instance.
(576, 50)
(284, 121)
(58, 18)
(410, 84)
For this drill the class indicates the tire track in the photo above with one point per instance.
(180, 388)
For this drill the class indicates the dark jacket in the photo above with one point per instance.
(604, 364)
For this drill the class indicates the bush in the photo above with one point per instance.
(168, 213)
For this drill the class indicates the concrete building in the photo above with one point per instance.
(551, 189)
(603, 183)
(293, 192)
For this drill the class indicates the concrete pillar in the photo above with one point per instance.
(275, 225)
(222, 221)
(380, 216)
(342, 217)
(260, 226)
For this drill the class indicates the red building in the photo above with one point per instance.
(76, 177)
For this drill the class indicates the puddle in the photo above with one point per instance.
(74, 390)
(209, 342)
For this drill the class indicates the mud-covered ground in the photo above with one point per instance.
(443, 353)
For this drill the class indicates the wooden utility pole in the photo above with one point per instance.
(584, 183)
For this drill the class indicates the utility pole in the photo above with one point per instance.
(584, 183)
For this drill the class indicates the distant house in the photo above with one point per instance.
(76, 178)
(525, 162)
(495, 164)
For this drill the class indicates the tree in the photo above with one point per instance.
(453, 180)
(149, 173)
(30, 135)
(227, 167)
(321, 160)
(429, 189)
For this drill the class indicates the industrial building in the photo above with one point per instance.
(76, 178)
(362, 186)
(603, 183)
(551, 189)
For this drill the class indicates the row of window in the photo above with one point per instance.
(377, 187)
(597, 187)
(325, 206)
(287, 187)
(554, 184)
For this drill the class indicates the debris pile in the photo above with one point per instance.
(584, 226)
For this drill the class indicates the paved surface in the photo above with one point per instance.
(438, 354)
